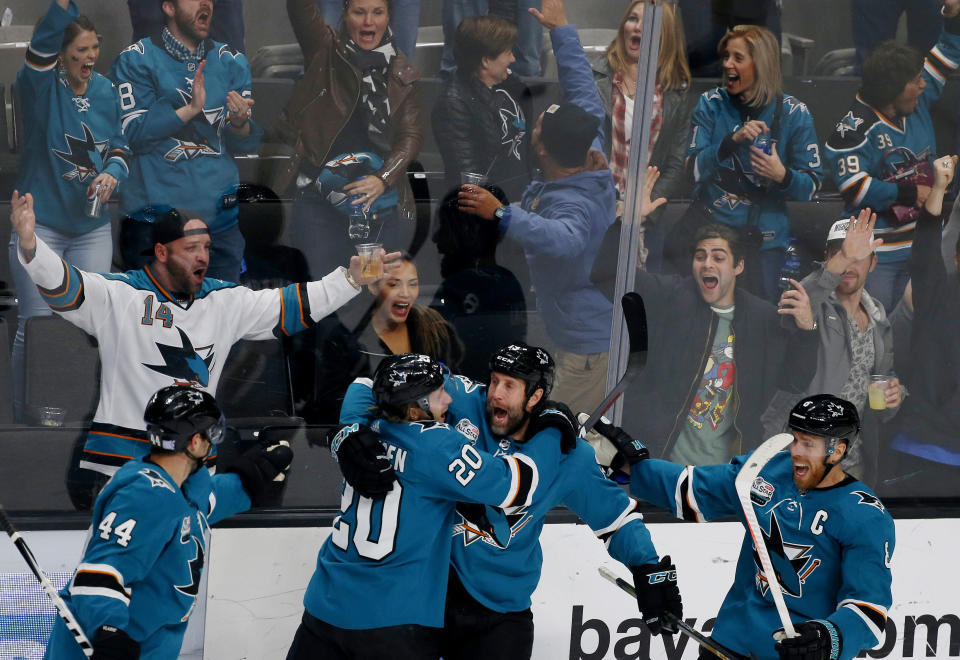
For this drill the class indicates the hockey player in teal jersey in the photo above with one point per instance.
(139, 577)
(488, 601)
(829, 536)
(381, 577)
(880, 153)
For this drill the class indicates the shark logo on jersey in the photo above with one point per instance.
(869, 500)
(196, 568)
(517, 519)
(157, 481)
(80, 154)
(792, 562)
(848, 123)
(794, 105)
(468, 384)
(183, 363)
(137, 47)
(511, 117)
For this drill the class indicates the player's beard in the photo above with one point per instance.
(186, 26)
(181, 279)
(516, 418)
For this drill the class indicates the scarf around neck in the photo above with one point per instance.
(373, 65)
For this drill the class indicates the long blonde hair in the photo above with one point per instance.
(673, 72)
(765, 51)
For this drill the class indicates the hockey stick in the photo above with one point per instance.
(744, 483)
(718, 650)
(635, 316)
(72, 624)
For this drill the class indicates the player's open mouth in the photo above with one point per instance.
(635, 42)
(203, 19)
(710, 282)
(500, 417)
(801, 472)
(199, 273)
(368, 36)
(400, 309)
(86, 70)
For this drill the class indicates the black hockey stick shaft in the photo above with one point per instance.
(635, 316)
(62, 609)
(720, 651)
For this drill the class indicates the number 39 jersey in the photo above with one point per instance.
(143, 560)
(385, 561)
(148, 339)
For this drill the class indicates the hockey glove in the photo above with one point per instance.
(490, 520)
(363, 460)
(818, 639)
(111, 643)
(259, 466)
(657, 594)
(556, 415)
(628, 451)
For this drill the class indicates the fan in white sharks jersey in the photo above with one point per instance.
(829, 537)
(166, 323)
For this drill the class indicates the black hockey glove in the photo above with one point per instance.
(657, 594)
(363, 460)
(629, 450)
(490, 520)
(558, 416)
(818, 639)
(259, 466)
(111, 643)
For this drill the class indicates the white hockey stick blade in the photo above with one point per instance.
(62, 609)
(743, 483)
(718, 650)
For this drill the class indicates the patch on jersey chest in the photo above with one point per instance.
(761, 492)
(469, 429)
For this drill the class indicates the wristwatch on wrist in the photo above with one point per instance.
(346, 274)
(501, 210)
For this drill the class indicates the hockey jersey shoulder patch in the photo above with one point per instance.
(852, 128)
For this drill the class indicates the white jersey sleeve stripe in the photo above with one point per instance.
(628, 514)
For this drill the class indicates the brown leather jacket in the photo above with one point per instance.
(322, 101)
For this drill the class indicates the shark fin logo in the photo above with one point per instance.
(792, 562)
(196, 568)
(183, 363)
(81, 154)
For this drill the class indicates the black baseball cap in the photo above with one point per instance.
(567, 131)
(169, 226)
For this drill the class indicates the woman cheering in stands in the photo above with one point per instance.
(353, 124)
(74, 155)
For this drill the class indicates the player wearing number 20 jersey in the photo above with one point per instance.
(385, 562)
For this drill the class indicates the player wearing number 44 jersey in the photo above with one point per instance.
(830, 539)
(165, 323)
(488, 600)
(380, 582)
(139, 577)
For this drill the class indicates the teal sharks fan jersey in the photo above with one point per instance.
(144, 557)
(182, 165)
(386, 561)
(149, 339)
(69, 139)
(504, 579)
(871, 156)
(830, 547)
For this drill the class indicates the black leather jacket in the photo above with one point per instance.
(468, 128)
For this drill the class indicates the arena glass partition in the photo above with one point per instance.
(467, 289)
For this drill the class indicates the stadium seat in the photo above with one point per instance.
(63, 368)
(255, 382)
(38, 450)
(277, 61)
(6, 395)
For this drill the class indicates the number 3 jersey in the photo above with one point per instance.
(831, 549)
(144, 556)
(385, 561)
(148, 339)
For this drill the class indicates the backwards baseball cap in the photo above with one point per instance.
(168, 226)
(838, 230)
(566, 132)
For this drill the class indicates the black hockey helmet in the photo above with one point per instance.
(176, 413)
(530, 364)
(827, 416)
(407, 378)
